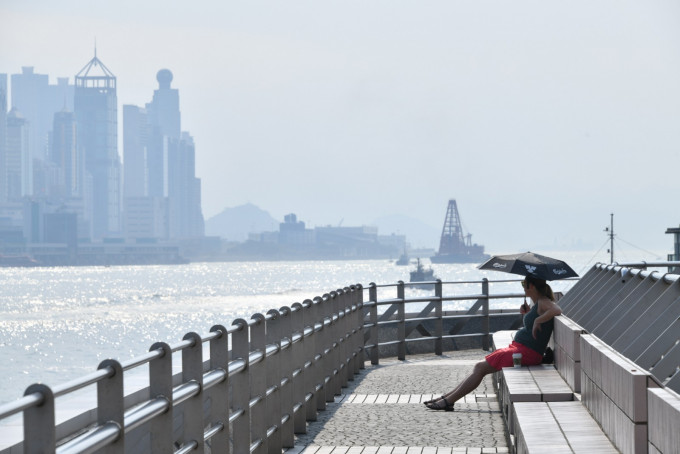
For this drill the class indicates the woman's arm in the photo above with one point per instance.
(548, 309)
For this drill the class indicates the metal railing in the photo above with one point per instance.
(264, 378)
(634, 311)
(408, 326)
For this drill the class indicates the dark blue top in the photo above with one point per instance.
(524, 336)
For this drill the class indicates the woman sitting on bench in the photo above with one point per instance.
(531, 341)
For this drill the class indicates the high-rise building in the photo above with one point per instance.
(95, 107)
(166, 156)
(64, 155)
(29, 92)
(3, 136)
(164, 125)
(164, 107)
(18, 162)
(37, 101)
(184, 190)
(144, 209)
(135, 141)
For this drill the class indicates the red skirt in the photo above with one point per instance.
(503, 356)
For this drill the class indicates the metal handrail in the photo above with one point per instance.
(325, 335)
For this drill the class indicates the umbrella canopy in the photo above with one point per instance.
(529, 264)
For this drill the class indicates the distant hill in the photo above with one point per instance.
(418, 234)
(234, 224)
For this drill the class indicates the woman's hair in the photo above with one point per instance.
(542, 287)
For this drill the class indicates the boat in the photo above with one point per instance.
(403, 260)
(454, 245)
(420, 274)
(7, 261)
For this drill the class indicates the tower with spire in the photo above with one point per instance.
(95, 108)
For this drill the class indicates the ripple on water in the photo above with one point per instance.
(57, 324)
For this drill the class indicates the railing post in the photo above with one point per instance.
(39, 431)
(110, 404)
(273, 371)
(349, 332)
(344, 331)
(310, 374)
(320, 358)
(335, 345)
(192, 370)
(358, 324)
(287, 393)
(258, 385)
(219, 395)
(298, 360)
(439, 323)
(373, 320)
(240, 389)
(401, 325)
(160, 385)
(485, 311)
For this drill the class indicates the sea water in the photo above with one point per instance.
(58, 324)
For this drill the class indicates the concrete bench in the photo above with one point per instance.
(663, 410)
(531, 384)
(614, 390)
(501, 339)
(566, 347)
(558, 427)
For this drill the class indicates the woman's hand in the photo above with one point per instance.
(536, 328)
(524, 308)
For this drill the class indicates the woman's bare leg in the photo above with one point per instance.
(470, 383)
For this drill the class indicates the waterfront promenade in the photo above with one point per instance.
(381, 411)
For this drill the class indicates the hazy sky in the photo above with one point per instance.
(539, 117)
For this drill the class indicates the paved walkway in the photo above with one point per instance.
(380, 412)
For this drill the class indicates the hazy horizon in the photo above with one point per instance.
(540, 119)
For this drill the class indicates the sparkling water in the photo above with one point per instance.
(57, 324)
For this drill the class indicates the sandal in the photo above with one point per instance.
(441, 404)
(431, 401)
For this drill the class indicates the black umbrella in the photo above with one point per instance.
(529, 264)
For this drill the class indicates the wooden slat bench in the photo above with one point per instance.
(531, 384)
(558, 427)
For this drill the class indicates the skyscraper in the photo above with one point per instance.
(95, 107)
(37, 101)
(167, 157)
(64, 154)
(29, 91)
(164, 107)
(17, 156)
(135, 142)
(164, 125)
(184, 189)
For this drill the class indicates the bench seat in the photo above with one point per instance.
(531, 384)
(558, 427)
(500, 339)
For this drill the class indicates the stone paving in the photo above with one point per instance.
(380, 412)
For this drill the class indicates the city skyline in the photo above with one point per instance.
(61, 156)
(541, 120)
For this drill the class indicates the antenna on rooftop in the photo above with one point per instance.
(611, 239)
